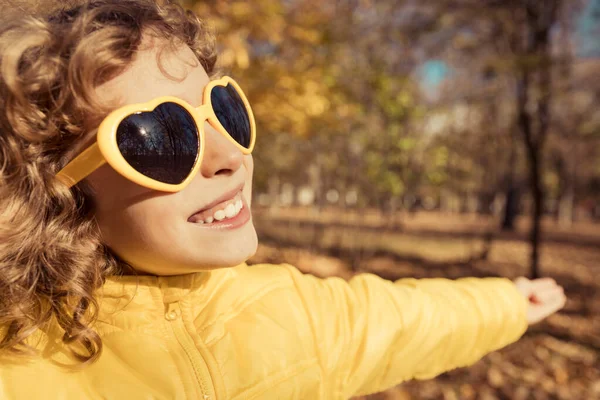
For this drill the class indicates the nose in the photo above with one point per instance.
(221, 156)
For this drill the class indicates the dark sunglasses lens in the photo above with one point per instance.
(162, 144)
(231, 113)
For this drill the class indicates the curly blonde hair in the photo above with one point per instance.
(51, 256)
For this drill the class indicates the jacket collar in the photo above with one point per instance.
(151, 291)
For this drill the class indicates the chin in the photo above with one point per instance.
(230, 255)
(238, 255)
(224, 252)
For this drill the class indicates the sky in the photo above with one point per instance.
(433, 73)
(588, 30)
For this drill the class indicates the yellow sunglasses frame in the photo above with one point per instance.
(106, 149)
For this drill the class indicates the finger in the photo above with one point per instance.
(550, 289)
(543, 283)
(555, 304)
(549, 295)
(523, 284)
(521, 279)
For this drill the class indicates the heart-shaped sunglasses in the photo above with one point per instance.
(159, 144)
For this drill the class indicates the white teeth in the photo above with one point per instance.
(230, 211)
(219, 215)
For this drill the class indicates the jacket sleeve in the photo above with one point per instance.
(371, 334)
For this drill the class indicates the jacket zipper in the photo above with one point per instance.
(199, 366)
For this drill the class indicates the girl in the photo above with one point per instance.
(126, 174)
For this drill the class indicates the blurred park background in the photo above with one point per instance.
(433, 138)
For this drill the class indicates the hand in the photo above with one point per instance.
(544, 295)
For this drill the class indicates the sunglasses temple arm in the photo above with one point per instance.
(81, 166)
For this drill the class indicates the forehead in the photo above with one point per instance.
(157, 70)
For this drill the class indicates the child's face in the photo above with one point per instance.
(150, 229)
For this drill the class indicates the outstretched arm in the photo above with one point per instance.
(372, 334)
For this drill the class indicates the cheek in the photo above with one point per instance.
(111, 189)
(121, 205)
(143, 228)
(148, 221)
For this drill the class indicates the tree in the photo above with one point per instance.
(514, 38)
(534, 97)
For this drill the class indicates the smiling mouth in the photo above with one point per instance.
(225, 210)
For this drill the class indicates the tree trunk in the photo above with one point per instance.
(533, 151)
(511, 205)
(537, 193)
(534, 121)
(511, 208)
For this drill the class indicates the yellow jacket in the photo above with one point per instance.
(270, 332)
